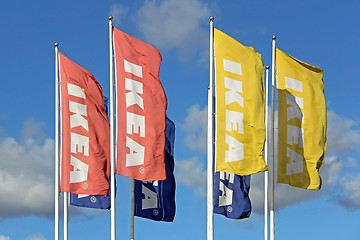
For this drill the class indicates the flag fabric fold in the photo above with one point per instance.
(302, 122)
(91, 201)
(240, 107)
(141, 109)
(231, 195)
(85, 131)
(156, 199)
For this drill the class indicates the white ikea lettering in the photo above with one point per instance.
(135, 122)
(76, 91)
(150, 200)
(236, 149)
(293, 84)
(233, 95)
(77, 119)
(80, 172)
(136, 155)
(233, 67)
(294, 111)
(296, 162)
(295, 134)
(234, 121)
(226, 197)
(133, 68)
(79, 144)
(133, 96)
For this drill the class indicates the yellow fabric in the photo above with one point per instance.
(302, 122)
(240, 107)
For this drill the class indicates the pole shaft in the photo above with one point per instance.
(57, 152)
(266, 177)
(272, 169)
(112, 155)
(210, 145)
(65, 215)
(132, 209)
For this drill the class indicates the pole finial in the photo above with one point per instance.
(56, 44)
(110, 17)
(267, 67)
(211, 18)
(274, 37)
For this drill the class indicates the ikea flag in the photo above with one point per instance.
(240, 107)
(231, 195)
(302, 122)
(93, 201)
(156, 199)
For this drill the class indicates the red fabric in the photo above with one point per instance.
(154, 108)
(97, 157)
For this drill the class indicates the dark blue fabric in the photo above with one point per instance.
(92, 201)
(235, 189)
(156, 199)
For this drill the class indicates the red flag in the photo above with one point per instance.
(141, 110)
(85, 132)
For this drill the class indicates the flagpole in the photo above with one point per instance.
(210, 141)
(266, 178)
(132, 209)
(272, 167)
(112, 157)
(65, 215)
(57, 193)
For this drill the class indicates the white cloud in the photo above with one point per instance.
(190, 172)
(195, 125)
(118, 11)
(342, 137)
(173, 24)
(26, 183)
(36, 237)
(2, 237)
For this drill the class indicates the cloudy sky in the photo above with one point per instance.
(323, 33)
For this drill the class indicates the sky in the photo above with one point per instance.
(321, 33)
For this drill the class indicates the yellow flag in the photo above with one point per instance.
(302, 122)
(240, 107)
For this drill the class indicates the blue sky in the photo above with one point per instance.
(321, 33)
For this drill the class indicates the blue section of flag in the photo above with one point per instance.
(231, 195)
(91, 201)
(156, 199)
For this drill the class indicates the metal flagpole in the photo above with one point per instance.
(112, 155)
(132, 209)
(210, 165)
(266, 178)
(66, 215)
(272, 167)
(57, 193)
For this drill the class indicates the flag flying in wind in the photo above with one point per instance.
(85, 132)
(156, 199)
(231, 195)
(302, 122)
(93, 201)
(141, 109)
(240, 107)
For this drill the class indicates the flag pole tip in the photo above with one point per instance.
(110, 17)
(267, 67)
(211, 18)
(274, 37)
(56, 44)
